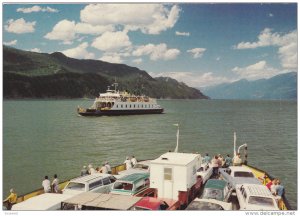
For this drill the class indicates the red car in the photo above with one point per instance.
(151, 203)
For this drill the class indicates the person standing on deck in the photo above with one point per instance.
(108, 167)
(84, 171)
(127, 162)
(133, 161)
(103, 169)
(91, 169)
(237, 160)
(206, 158)
(11, 199)
(215, 165)
(228, 161)
(46, 185)
(55, 183)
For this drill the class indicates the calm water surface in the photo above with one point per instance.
(44, 137)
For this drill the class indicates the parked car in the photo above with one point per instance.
(238, 175)
(139, 167)
(217, 189)
(42, 202)
(208, 204)
(205, 171)
(255, 197)
(152, 203)
(98, 182)
(131, 184)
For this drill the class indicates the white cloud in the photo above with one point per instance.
(35, 50)
(19, 26)
(194, 79)
(271, 15)
(197, 52)
(10, 43)
(112, 58)
(149, 18)
(79, 52)
(112, 41)
(156, 52)
(258, 70)
(137, 61)
(64, 30)
(286, 43)
(182, 33)
(37, 8)
(85, 28)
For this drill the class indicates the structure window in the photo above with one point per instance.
(168, 173)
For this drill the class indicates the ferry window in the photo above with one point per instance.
(117, 106)
(168, 173)
(134, 105)
(126, 105)
(122, 106)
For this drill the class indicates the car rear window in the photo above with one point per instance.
(263, 201)
(243, 174)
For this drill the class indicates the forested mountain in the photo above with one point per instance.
(40, 75)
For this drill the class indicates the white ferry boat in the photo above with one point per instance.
(114, 102)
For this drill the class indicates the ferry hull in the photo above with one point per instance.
(120, 112)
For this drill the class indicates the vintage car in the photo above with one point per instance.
(42, 202)
(139, 167)
(99, 201)
(208, 204)
(238, 175)
(216, 189)
(205, 171)
(255, 197)
(131, 184)
(98, 182)
(152, 203)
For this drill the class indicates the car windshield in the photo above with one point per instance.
(243, 174)
(263, 201)
(75, 186)
(211, 193)
(196, 205)
(141, 166)
(122, 186)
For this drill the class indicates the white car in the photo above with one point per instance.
(139, 167)
(208, 204)
(255, 197)
(205, 171)
(238, 175)
(98, 182)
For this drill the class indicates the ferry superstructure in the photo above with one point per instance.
(115, 102)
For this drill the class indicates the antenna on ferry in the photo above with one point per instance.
(115, 84)
(177, 135)
(234, 143)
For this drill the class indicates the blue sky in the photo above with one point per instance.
(197, 43)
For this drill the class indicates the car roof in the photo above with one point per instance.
(89, 178)
(239, 168)
(215, 183)
(132, 178)
(105, 201)
(153, 203)
(256, 190)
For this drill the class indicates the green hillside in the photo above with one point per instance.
(40, 75)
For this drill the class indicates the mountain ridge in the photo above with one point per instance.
(27, 74)
(282, 86)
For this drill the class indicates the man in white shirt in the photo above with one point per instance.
(127, 162)
(55, 184)
(133, 160)
(108, 167)
(46, 185)
(103, 169)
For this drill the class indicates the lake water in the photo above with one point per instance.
(44, 137)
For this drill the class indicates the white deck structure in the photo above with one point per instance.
(173, 172)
